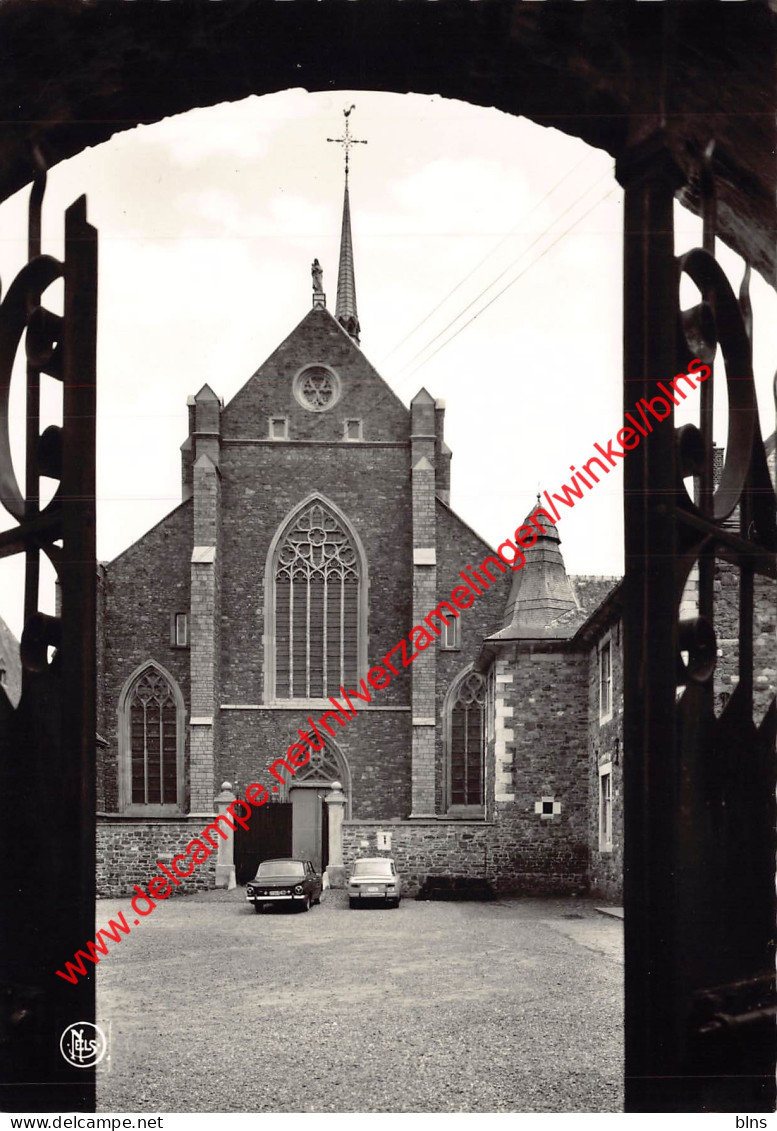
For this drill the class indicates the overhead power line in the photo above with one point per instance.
(508, 268)
(520, 275)
(488, 255)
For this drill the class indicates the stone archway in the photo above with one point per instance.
(74, 74)
(648, 83)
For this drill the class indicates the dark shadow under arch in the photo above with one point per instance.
(75, 73)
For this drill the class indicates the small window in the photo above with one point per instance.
(605, 808)
(180, 631)
(450, 635)
(352, 430)
(605, 681)
(279, 428)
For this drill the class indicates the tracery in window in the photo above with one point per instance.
(316, 388)
(153, 741)
(466, 742)
(317, 578)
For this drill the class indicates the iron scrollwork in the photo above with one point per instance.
(47, 742)
(726, 760)
(699, 774)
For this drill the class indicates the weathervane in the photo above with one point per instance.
(346, 140)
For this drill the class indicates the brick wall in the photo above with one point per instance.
(318, 339)
(260, 486)
(128, 852)
(140, 591)
(459, 546)
(376, 745)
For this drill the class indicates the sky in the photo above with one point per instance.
(488, 259)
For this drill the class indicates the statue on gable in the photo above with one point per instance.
(318, 276)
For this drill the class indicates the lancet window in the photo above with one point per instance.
(466, 743)
(151, 717)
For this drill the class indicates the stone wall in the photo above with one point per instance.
(537, 862)
(605, 741)
(10, 664)
(128, 853)
(727, 632)
(538, 789)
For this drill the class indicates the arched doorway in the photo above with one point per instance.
(297, 823)
(310, 824)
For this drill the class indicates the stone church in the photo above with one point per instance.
(315, 530)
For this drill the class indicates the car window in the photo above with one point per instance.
(280, 869)
(373, 868)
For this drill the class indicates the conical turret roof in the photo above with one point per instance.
(541, 598)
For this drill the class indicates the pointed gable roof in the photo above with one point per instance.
(317, 340)
(205, 394)
(423, 396)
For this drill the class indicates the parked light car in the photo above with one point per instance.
(374, 879)
(284, 881)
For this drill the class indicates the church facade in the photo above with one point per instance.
(315, 533)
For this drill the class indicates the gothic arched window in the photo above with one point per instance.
(151, 743)
(317, 579)
(466, 741)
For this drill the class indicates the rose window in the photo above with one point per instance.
(317, 388)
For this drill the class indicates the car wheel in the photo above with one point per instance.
(258, 908)
(317, 899)
(395, 904)
(306, 904)
(351, 903)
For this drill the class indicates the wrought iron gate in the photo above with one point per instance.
(699, 786)
(268, 835)
(47, 743)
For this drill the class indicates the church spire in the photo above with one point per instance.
(345, 311)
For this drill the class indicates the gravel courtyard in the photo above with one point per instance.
(476, 1007)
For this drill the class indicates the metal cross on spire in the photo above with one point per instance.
(346, 140)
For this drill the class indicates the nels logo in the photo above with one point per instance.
(83, 1044)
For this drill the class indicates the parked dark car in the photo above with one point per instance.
(294, 882)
